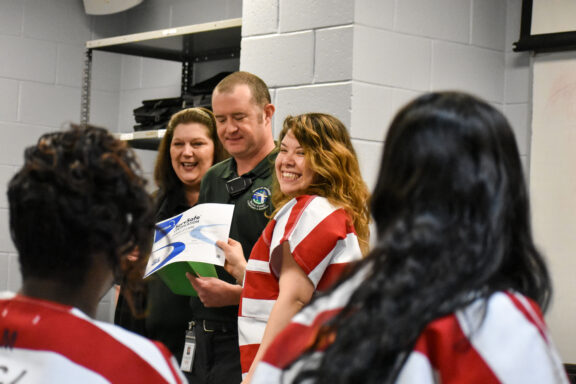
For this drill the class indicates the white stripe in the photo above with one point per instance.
(257, 308)
(337, 299)
(45, 367)
(346, 250)
(266, 374)
(250, 331)
(281, 221)
(142, 347)
(317, 210)
(288, 206)
(311, 362)
(511, 346)
(417, 369)
(258, 266)
(533, 315)
(555, 357)
(316, 274)
(4, 295)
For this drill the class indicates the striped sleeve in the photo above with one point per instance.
(63, 344)
(301, 333)
(504, 342)
(322, 240)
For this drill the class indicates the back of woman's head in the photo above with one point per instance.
(80, 193)
(451, 189)
(164, 174)
(329, 153)
(451, 210)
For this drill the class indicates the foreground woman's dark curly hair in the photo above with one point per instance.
(453, 223)
(80, 193)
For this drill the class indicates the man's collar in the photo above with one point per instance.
(262, 169)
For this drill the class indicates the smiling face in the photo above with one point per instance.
(292, 170)
(243, 126)
(191, 152)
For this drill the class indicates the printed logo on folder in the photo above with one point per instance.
(187, 243)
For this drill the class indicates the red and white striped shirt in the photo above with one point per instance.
(512, 344)
(47, 342)
(322, 241)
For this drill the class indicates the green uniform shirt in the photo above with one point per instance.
(249, 219)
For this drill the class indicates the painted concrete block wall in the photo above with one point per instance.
(518, 84)
(41, 56)
(303, 52)
(359, 60)
(379, 54)
(41, 60)
(144, 79)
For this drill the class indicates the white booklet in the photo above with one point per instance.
(187, 243)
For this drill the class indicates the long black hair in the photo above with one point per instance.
(453, 225)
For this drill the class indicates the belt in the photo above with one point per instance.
(210, 326)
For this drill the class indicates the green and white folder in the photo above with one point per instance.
(187, 243)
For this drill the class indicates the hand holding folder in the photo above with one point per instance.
(187, 243)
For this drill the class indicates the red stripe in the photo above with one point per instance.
(295, 214)
(331, 275)
(268, 232)
(451, 354)
(261, 249)
(260, 285)
(274, 257)
(45, 326)
(296, 338)
(321, 240)
(247, 355)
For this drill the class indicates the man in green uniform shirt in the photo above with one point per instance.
(243, 109)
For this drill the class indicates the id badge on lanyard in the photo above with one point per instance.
(189, 348)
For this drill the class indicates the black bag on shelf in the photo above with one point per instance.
(155, 114)
(208, 85)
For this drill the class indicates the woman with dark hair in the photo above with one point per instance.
(190, 146)
(452, 291)
(78, 209)
(319, 227)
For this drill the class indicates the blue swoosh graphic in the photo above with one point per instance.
(197, 233)
(163, 229)
(178, 248)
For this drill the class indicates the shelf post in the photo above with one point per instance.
(86, 78)
(187, 67)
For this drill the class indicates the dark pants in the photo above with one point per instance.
(217, 355)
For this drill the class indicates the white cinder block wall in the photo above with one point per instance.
(359, 60)
(518, 83)
(40, 73)
(41, 60)
(143, 79)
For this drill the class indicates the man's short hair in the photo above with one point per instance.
(259, 89)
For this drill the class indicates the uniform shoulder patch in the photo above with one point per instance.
(260, 199)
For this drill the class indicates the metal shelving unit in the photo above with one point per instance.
(188, 44)
(143, 139)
